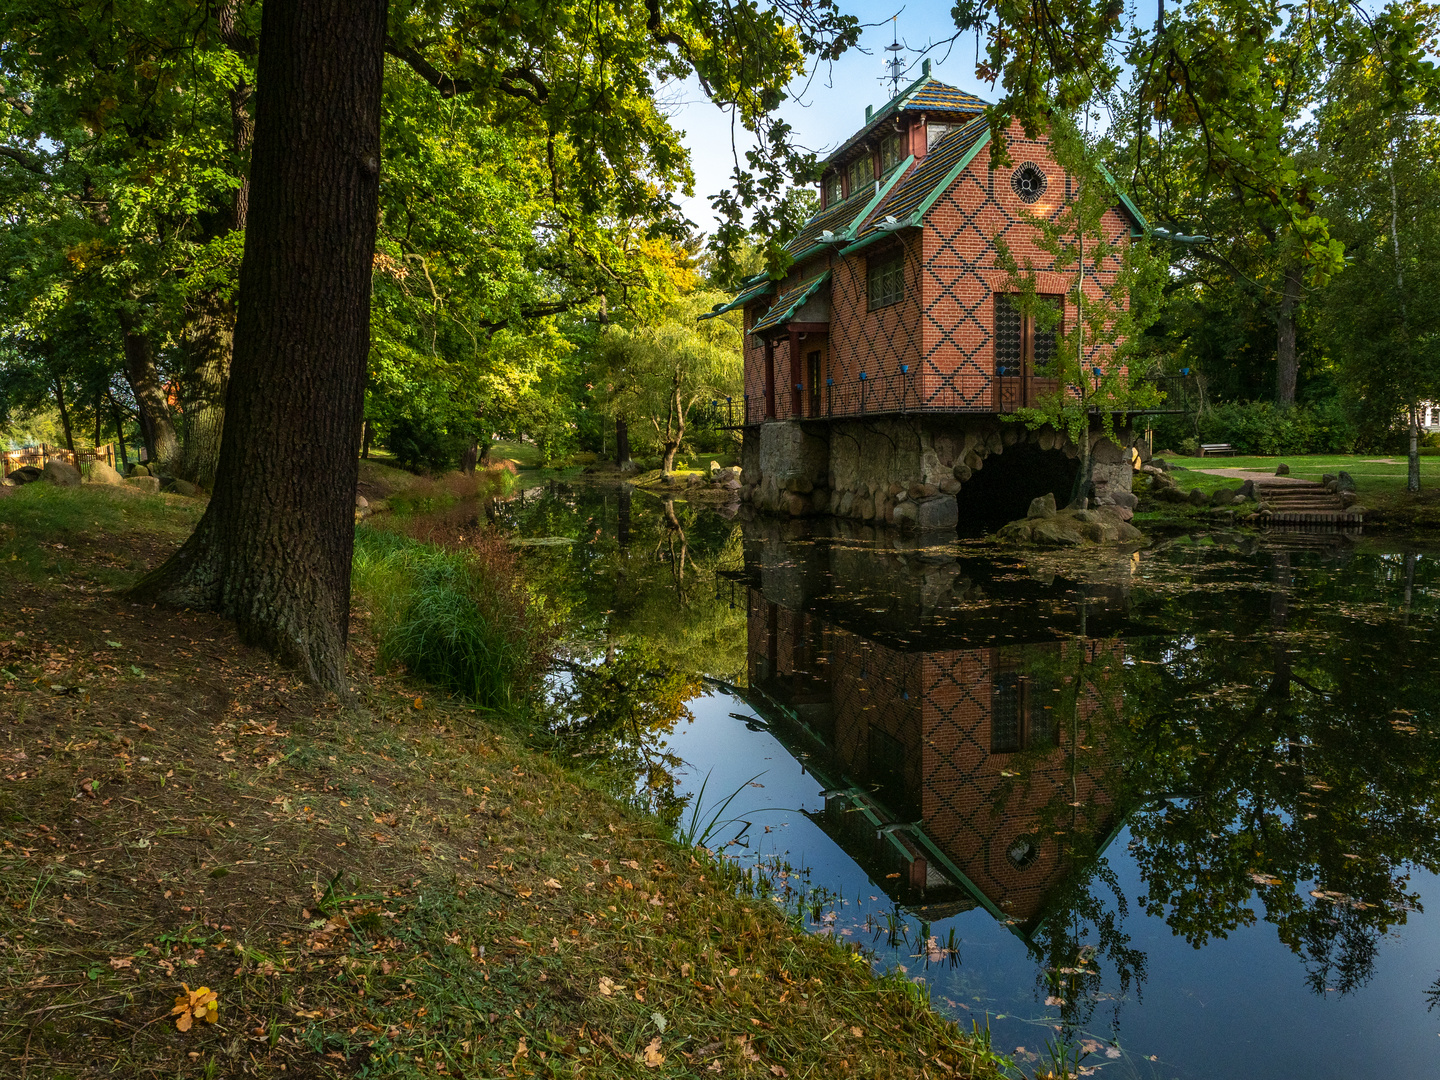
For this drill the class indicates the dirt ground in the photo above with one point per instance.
(385, 884)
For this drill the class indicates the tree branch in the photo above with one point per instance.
(26, 160)
(448, 85)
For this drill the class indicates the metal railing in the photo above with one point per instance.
(901, 393)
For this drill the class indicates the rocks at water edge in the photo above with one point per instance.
(1072, 528)
(61, 474)
(1042, 507)
(101, 473)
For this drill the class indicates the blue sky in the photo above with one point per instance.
(832, 106)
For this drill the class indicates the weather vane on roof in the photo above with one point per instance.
(896, 69)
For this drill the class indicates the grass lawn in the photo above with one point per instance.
(1379, 480)
(390, 885)
(1375, 473)
(526, 455)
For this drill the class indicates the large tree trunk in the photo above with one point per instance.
(210, 332)
(210, 339)
(622, 440)
(144, 380)
(119, 431)
(65, 420)
(1412, 483)
(273, 549)
(1287, 359)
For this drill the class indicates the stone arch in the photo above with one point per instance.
(1000, 491)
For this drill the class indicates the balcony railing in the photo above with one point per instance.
(900, 393)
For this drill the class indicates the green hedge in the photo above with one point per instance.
(1261, 427)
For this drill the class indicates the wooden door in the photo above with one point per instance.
(1024, 355)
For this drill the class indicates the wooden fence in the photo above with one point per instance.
(39, 456)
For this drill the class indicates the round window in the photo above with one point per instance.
(1022, 852)
(1028, 182)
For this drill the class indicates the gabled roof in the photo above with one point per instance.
(917, 192)
(925, 94)
(787, 302)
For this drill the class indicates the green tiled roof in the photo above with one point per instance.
(786, 303)
(925, 94)
(912, 197)
(745, 296)
(843, 218)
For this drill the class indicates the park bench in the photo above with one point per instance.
(1217, 449)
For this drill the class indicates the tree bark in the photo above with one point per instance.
(209, 335)
(471, 457)
(622, 440)
(65, 420)
(366, 440)
(140, 372)
(210, 340)
(1287, 360)
(273, 550)
(119, 431)
(1412, 481)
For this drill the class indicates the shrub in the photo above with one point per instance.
(422, 445)
(1261, 427)
(458, 617)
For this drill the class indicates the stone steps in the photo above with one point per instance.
(1305, 504)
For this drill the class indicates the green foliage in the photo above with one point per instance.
(456, 619)
(1261, 427)
(420, 444)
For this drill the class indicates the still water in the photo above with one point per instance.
(1173, 812)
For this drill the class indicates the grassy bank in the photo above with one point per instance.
(393, 885)
(1380, 482)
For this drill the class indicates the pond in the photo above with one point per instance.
(1173, 812)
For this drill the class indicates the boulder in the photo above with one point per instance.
(1282, 469)
(1057, 532)
(1344, 482)
(1042, 506)
(795, 504)
(184, 487)
(922, 491)
(101, 473)
(949, 486)
(1348, 499)
(962, 472)
(61, 474)
(1160, 463)
(362, 503)
(1120, 498)
(799, 485)
(938, 512)
(906, 513)
(1198, 497)
(27, 474)
(136, 469)
(1328, 478)
(714, 467)
(148, 484)
(1247, 489)
(1224, 497)
(1171, 494)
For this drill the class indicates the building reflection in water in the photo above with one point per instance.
(957, 777)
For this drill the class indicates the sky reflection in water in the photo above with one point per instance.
(1182, 803)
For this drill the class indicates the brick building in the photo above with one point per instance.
(957, 777)
(894, 306)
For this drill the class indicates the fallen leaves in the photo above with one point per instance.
(653, 1057)
(608, 986)
(201, 1004)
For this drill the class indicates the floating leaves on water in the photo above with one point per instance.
(201, 1004)
(1265, 879)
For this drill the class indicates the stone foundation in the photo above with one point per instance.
(903, 471)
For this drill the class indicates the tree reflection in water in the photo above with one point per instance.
(1259, 718)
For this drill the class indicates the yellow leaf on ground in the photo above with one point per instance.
(608, 986)
(653, 1057)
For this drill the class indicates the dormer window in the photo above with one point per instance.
(935, 132)
(861, 174)
(834, 192)
(890, 154)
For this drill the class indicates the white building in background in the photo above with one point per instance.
(1430, 415)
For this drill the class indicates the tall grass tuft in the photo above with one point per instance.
(458, 618)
